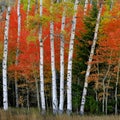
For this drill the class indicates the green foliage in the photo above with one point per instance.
(91, 105)
(56, 10)
(82, 54)
(25, 3)
(35, 21)
(76, 93)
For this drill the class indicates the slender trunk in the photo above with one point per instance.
(61, 104)
(111, 4)
(91, 2)
(4, 63)
(89, 63)
(58, 1)
(41, 65)
(85, 7)
(36, 6)
(16, 90)
(116, 88)
(103, 82)
(106, 98)
(17, 50)
(54, 86)
(28, 102)
(70, 57)
(37, 92)
(28, 9)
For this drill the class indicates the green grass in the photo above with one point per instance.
(33, 114)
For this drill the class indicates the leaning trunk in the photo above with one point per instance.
(89, 63)
(4, 63)
(70, 57)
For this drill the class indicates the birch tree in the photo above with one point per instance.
(54, 86)
(70, 57)
(4, 63)
(41, 65)
(27, 81)
(62, 64)
(28, 9)
(85, 7)
(89, 62)
(17, 50)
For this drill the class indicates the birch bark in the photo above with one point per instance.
(61, 104)
(89, 63)
(4, 63)
(28, 9)
(54, 86)
(70, 57)
(85, 7)
(41, 65)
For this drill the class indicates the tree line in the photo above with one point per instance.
(60, 56)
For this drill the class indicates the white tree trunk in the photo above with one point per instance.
(89, 63)
(91, 2)
(41, 65)
(4, 63)
(111, 4)
(28, 9)
(70, 57)
(17, 50)
(61, 104)
(54, 86)
(85, 7)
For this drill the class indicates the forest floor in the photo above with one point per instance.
(34, 115)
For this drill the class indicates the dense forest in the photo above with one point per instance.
(60, 56)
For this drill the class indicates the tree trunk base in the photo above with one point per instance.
(55, 112)
(60, 112)
(81, 113)
(69, 112)
(43, 112)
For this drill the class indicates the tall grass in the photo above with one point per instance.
(17, 114)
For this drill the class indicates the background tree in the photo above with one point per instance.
(82, 48)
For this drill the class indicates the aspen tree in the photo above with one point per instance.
(62, 63)
(70, 57)
(41, 64)
(85, 7)
(54, 86)
(4, 63)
